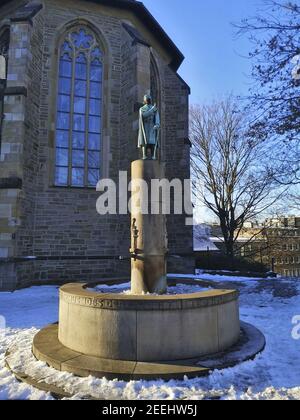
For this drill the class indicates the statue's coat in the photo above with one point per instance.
(149, 125)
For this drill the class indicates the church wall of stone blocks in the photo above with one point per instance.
(76, 75)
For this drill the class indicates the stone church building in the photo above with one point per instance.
(75, 72)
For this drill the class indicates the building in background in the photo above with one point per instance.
(275, 243)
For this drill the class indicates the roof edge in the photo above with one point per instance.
(152, 25)
(150, 22)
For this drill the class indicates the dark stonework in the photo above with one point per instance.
(135, 35)
(27, 12)
(15, 90)
(10, 183)
(38, 219)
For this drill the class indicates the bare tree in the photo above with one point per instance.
(274, 33)
(230, 169)
(294, 199)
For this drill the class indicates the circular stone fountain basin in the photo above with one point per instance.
(147, 328)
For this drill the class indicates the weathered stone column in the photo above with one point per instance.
(148, 231)
(19, 142)
(12, 159)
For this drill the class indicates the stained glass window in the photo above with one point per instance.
(78, 115)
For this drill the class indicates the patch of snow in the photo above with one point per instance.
(213, 277)
(222, 278)
(205, 244)
(106, 288)
(203, 240)
(124, 288)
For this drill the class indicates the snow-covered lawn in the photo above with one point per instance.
(275, 374)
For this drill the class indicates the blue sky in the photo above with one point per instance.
(215, 58)
(214, 63)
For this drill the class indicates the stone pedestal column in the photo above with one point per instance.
(148, 231)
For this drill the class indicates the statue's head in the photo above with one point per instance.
(147, 100)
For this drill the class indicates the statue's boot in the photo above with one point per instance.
(155, 154)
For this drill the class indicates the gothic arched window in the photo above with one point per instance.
(79, 105)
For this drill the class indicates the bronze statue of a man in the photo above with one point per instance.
(149, 126)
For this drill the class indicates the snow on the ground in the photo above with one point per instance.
(25, 312)
(124, 288)
(275, 374)
(200, 275)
